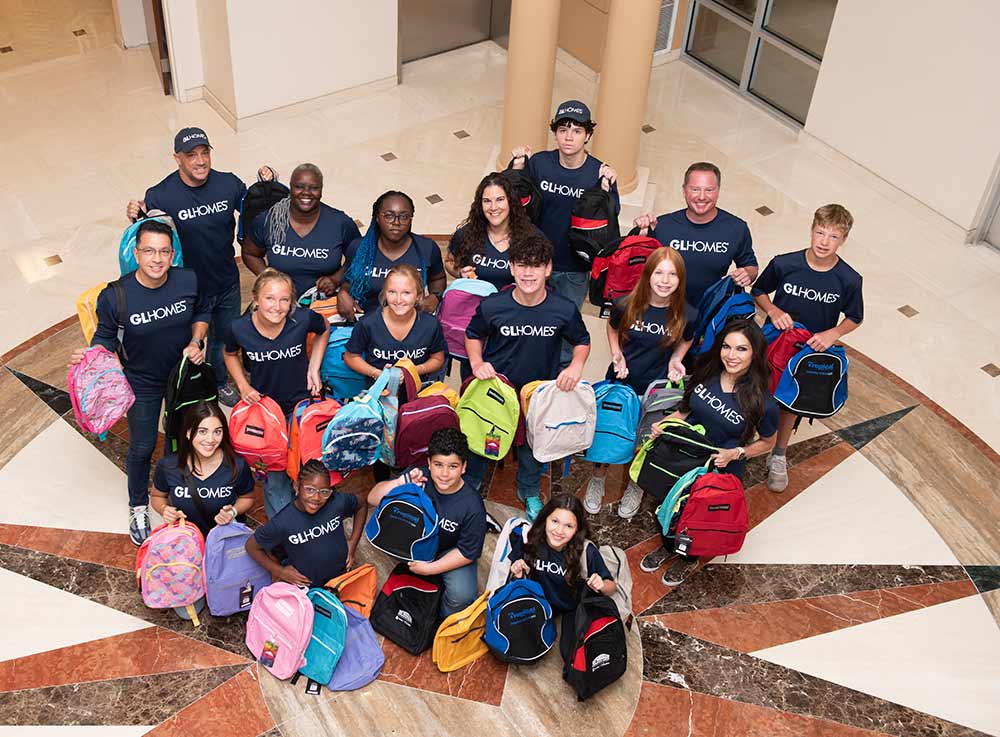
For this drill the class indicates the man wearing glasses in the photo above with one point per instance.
(151, 317)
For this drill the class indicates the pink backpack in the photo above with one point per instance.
(260, 435)
(279, 628)
(99, 391)
(418, 419)
(458, 305)
(170, 567)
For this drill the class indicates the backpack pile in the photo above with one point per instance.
(187, 385)
(618, 268)
(488, 414)
(406, 610)
(705, 514)
(98, 390)
(418, 420)
(305, 434)
(592, 644)
(326, 641)
(459, 639)
(279, 628)
(662, 460)
(169, 568)
(658, 402)
(458, 305)
(814, 383)
(616, 422)
(560, 424)
(353, 438)
(593, 224)
(259, 434)
(405, 524)
(519, 626)
(401, 385)
(781, 346)
(356, 588)
(232, 577)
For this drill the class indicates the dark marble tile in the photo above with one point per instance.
(57, 399)
(861, 434)
(117, 589)
(721, 585)
(271, 733)
(756, 468)
(607, 528)
(986, 578)
(139, 700)
(675, 659)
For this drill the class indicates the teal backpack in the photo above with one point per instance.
(126, 248)
(669, 508)
(328, 634)
(344, 383)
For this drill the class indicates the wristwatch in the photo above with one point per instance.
(200, 342)
(743, 454)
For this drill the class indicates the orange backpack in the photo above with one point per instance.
(440, 388)
(356, 588)
(305, 434)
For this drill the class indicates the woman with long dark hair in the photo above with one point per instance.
(649, 335)
(387, 243)
(496, 219)
(205, 482)
(728, 395)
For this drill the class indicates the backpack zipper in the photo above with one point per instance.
(484, 419)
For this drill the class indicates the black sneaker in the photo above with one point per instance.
(652, 561)
(228, 396)
(492, 525)
(679, 570)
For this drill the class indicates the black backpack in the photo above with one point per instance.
(526, 191)
(592, 644)
(593, 224)
(187, 384)
(406, 610)
(664, 459)
(259, 198)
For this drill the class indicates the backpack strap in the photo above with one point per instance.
(121, 308)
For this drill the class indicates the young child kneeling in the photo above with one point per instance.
(461, 512)
(311, 531)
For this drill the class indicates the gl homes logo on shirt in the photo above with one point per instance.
(196, 212)
(813, 295)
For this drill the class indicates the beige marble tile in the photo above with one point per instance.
(24, 416)
(46, 361)
(992, 599)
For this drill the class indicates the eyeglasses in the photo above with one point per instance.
(397, 217)
(163, 252)
(313, 491)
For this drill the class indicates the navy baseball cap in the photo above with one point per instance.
(189, 138)
(573, 110)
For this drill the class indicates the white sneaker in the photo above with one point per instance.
(777, 473)
(138, 524)
(630, 502)
(595, 495)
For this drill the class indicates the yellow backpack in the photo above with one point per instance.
(86, 310)
(439, 387)
(459, 639)
(526, 391)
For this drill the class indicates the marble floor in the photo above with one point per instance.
(865, 601)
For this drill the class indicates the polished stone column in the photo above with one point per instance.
(621, 96)
(531, 64)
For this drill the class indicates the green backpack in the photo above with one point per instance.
(488, 412)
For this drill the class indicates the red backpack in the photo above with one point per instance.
(418, 419)
(259, 435)
(715, 516)
(305, 434)
(617, 270)
(781, 348)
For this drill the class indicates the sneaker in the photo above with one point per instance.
(594, 496)
(492, 525)
(777, 473)
(630, 502)
(228, 396)
(138, 524)
(532, 507)
(679, 570)
(651, 561)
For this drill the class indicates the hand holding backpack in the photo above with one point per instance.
(519, 626)
(489, 414)
(99, 391)
(617, 416)
(405, 524)
(259, 434)
(660, 461)
(169, 568)
(593, 223)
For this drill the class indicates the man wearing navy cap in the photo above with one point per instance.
(203, 203)
(562, 175)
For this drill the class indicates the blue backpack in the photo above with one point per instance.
(814, 383)
(126, 248)
(361, 659)
(232, 577)
(328, 634)
(519, 627)
(405, 524)
(344, 383)
(711, 300)
(739, 306)
(617, 420)
(353, 438)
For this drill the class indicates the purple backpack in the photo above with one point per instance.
(99, 391)
(232, 578)
(362, 659)
(458, 305)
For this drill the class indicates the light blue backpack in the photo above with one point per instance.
(329, 632)
(362, 658)
(232, 577)
(617, 420)
(669, 507)
(126, 248)
(344, 383)
(353, 438)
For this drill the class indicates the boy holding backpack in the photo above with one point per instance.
(518, 333)
(461, 516)
(812, 287)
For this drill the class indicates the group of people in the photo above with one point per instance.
(388, 283)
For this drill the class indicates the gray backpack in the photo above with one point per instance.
(617, 563)
(659, 402)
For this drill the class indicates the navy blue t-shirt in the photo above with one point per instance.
(279, 367)
(550, 572)
(372, 340)
(206, 222)
(813, 298)
(561, 188)
(720, 414)
(318, 253)
(645, 356)
(522, 342)
(157, 327)
(423, 254)
(462, 516)
(314, 543)
(708, 249)
(221, 488)
(491, 265)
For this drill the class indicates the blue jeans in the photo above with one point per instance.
(573, 286)
(278, 492)
(529, 473)
(460, 588)
(225, 307)
(143, 426)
